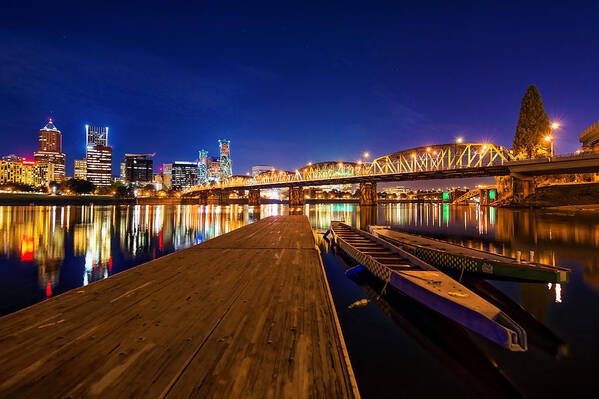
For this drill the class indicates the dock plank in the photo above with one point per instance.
(247, 314)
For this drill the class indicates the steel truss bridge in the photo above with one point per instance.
(422, 163)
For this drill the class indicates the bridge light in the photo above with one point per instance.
(459, 140)
(340, 164)
(428, 149)
(359, 162)
(413, 155)
(485, 147)
(366, 155)
(309, 163)
(434, 152)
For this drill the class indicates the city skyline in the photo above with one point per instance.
(373, 83)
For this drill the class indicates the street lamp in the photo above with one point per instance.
(459, 140)
(551, 138)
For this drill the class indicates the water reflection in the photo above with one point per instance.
(92, 242)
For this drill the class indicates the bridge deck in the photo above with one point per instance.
(247, 314)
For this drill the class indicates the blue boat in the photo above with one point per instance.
(424, 283)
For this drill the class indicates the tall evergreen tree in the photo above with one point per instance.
(533, 126)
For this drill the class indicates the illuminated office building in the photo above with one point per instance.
(226, 167)
(137, 168)
(49, 153)
(184, 174)
(80, 169)
(213, 169)
(96, 135)
(98, 156)
(24, 172)
(167, 170)
(203, 167)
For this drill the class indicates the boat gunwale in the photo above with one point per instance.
(512, 262)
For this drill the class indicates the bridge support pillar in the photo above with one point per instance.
(368, 194)
(254, 197)
(484, 197)
(296, 196)
(368, 216)
(218, 197)
(203, 200)
(522, 188)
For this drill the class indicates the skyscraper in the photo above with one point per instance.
(184, 174)
(80, 169)
(226, 169)
(203, 167)
(167, 170)
(137, 168)
(213, 169)
(98, 156)
(49, 152)
(96, 135)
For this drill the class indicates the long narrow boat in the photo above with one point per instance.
(427, 285)
(443, 254)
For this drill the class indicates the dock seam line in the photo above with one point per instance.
(193, 356)
(350, 370)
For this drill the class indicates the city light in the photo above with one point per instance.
(459, 140)
(366, 155)
(555, 125)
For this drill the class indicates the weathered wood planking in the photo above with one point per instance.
(247, 314)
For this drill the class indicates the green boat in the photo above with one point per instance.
(467, 260)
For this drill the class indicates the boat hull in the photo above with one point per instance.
(439, 292)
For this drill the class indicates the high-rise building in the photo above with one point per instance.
(213, 169)
(49, 152)
(184, 174)
(226, 168)
(256, 170)
(98, 156)
(137, 168)
(23, 172)
(203, 167)
(96, 135)
(80, 169)
(167, 170)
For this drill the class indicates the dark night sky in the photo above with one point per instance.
(293, 85)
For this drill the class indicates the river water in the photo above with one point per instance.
(396, 347)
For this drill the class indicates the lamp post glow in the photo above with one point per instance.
(549, 139)
(554, 126)
(459, 140)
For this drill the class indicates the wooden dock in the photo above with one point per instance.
(246, 314)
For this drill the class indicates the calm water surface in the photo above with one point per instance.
(394, 345)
